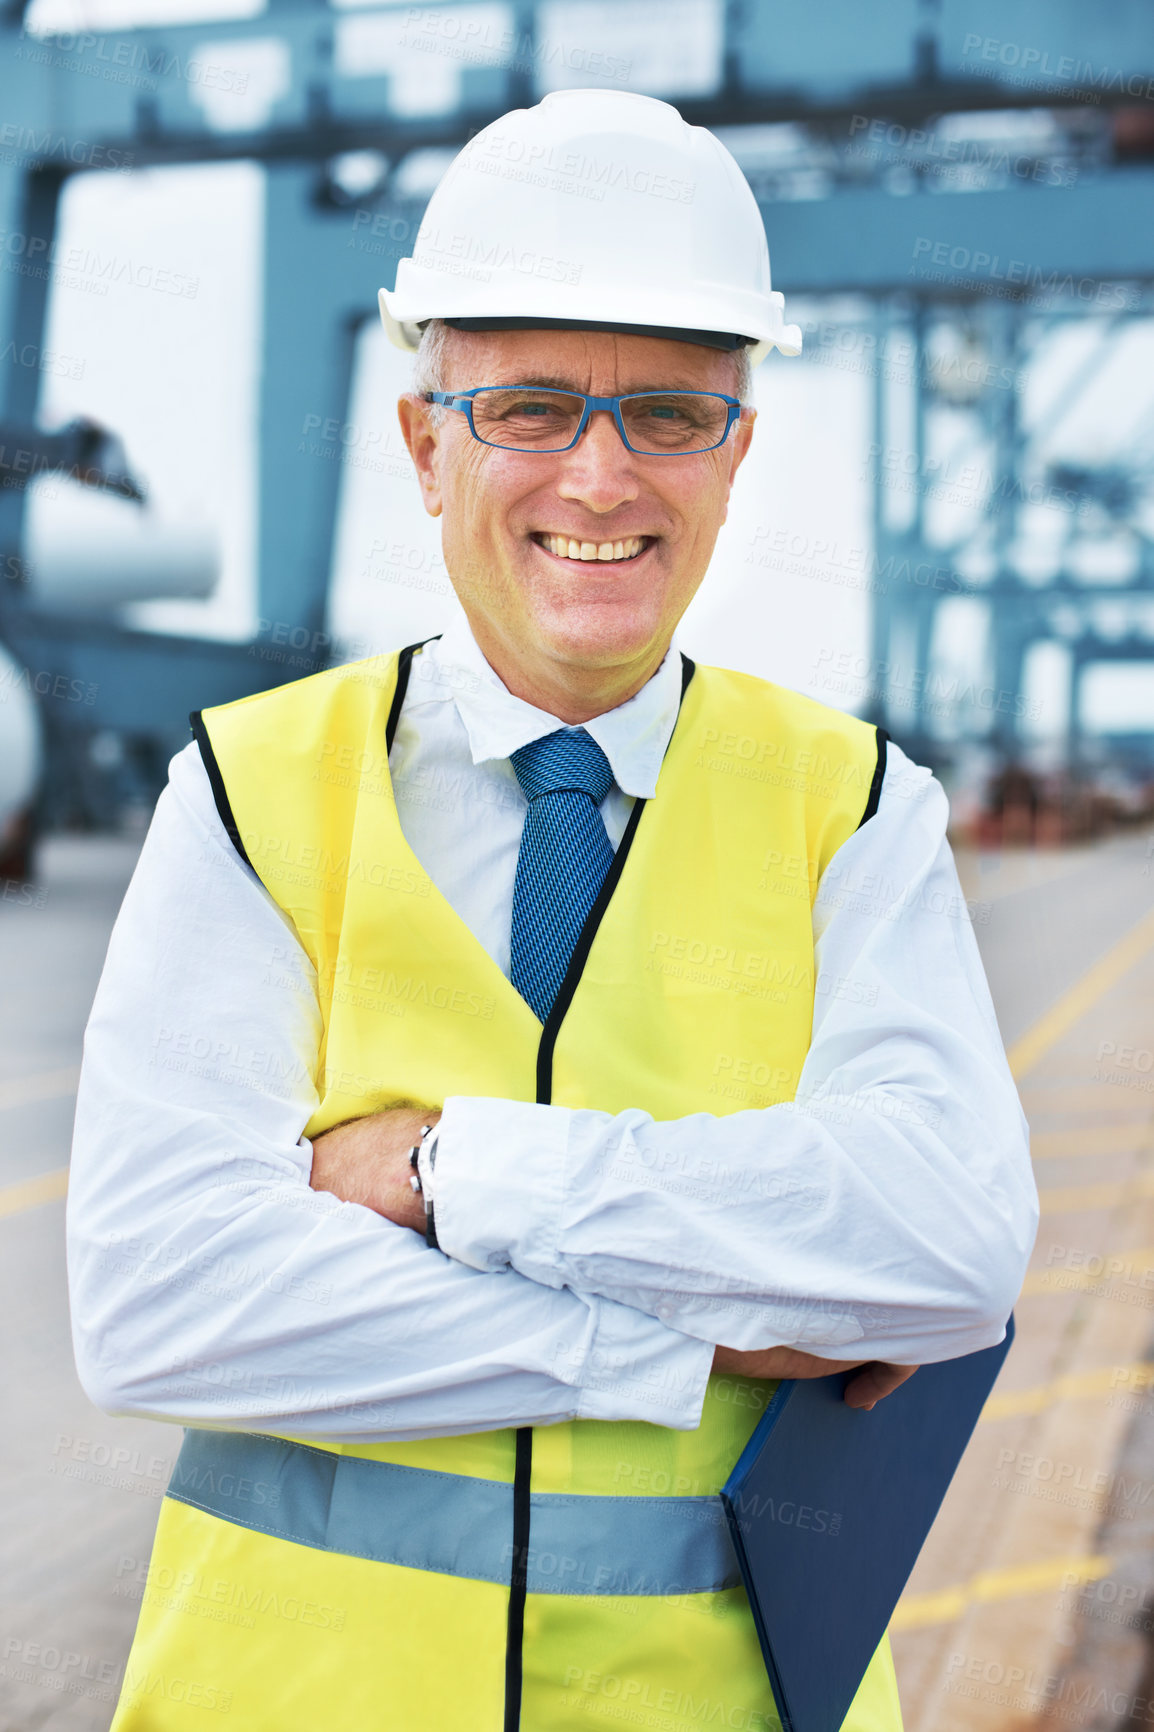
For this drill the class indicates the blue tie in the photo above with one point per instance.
(564, 857)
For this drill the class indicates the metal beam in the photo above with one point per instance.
(91, 674)
(1007, 243)
(164, 93)
(307, 358)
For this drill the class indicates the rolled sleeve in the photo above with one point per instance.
(889, 1209)
(499, 1181)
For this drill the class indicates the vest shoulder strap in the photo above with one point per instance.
(760, 724)
(305, 732)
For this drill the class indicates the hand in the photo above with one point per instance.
(367, 1161)
(877, 1379)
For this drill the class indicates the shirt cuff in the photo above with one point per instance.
(639, 1368)
(500, 1180)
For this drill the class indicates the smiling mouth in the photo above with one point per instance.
(612, 552)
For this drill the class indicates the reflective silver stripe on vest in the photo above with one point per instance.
(453, 1524)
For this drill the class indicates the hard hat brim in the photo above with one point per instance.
(405, 333)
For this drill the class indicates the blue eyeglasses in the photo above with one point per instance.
(651, 423)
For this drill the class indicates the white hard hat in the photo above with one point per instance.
(599, 209)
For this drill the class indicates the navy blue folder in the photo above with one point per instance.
(829, 1507)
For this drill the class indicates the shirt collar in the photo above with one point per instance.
(634, 736)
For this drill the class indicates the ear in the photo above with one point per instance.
(424, 442)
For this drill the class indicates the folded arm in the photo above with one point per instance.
(210, 1284)
(368, 1160)
(887, 1213)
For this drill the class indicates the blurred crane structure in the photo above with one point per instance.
(973, 173)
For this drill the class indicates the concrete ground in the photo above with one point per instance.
(1034, 1597)
(81, 1491)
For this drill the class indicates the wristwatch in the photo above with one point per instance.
(422, 1158)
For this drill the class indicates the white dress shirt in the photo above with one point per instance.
(592, 1260)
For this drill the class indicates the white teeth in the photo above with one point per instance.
(564, 547)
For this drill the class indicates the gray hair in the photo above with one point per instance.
(743, 384)
(429, 368)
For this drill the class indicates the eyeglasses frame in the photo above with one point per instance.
(463, 401)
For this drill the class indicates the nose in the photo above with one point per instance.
(599, 471)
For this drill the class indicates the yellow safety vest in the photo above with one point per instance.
(573, 1575)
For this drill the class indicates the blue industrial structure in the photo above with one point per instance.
(874, 181)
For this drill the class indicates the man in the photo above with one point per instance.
(515, 1051)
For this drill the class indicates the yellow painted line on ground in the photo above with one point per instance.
(1073, 1199)
(1088, 1140)
(1075, 1386)
(22, 1091)
(30, 1193)
(950, 1604)
(1061, 1017)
